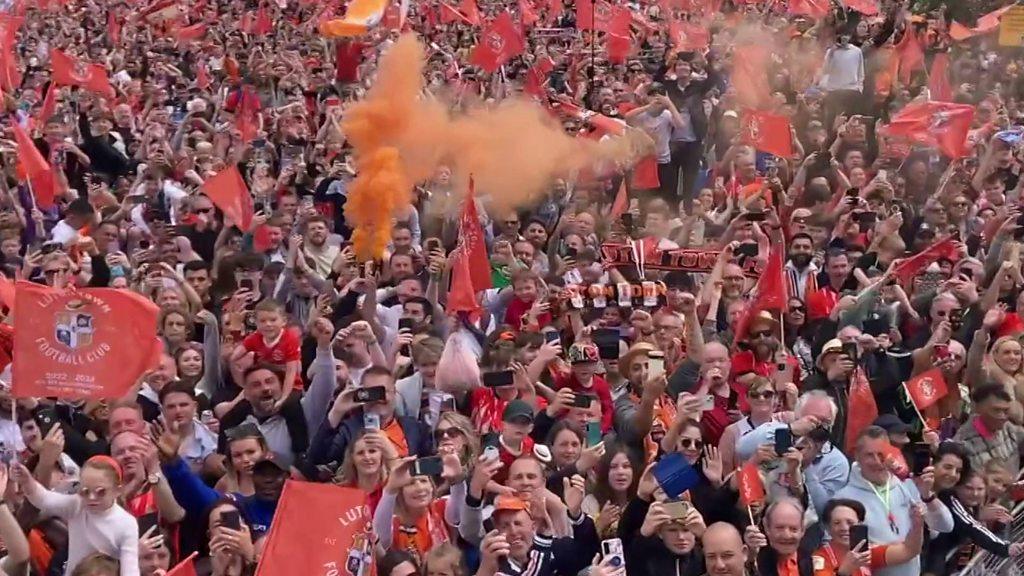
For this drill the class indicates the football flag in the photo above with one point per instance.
(34, 168)
(80, 343)
(862, 409)
(361, 16)
(602, 16)
(186, 567)
(751, 487)
(938, 79)
(927, 388)
(767, 132)
(910, 267)
(331, 525)
(750, 75)
(471, 242)
(500, 41)
(865, 7)
(68, 71)
(812, 8)
(228, 191)
(943, 125)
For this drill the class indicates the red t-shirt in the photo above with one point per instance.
(599, 387)
(278, 354)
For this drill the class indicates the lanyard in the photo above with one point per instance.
(888, 507)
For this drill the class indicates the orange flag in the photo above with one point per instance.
(80, 343)
(938, 79)
(862, 409)
(68, 71)
(228, 191)
(186, 567)
(910, 54)
(927, 388)
(471, 243)
(751, 487)
(329, 524)
(35, 168)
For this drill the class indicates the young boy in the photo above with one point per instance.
(521, 313)
(514, 439)
(273, 343)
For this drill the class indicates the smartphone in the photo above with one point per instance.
(571, 253)
(746, 250)
(941, 351)
(677, 509)
(405, 324)
(49, 247)
(853, 193)
(247, 284)
(147, 521)
(144, 244)
(866, 221)
(371, 394)
(612, 549)
(783, 440)
(371, 421)
(858, 534)
(582, 400)
(655, 363)
(754, 217)
(552, 336)
(430, 466)
(498, 379)
(45, 419)
(627, 222)
(921, 458)
(850, 351)
(594, 434)
(231, 519)
(491, 451)
(956, 318)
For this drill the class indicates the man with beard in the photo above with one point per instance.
(837, 269)
(800, 271)
(316, 247)
(284, 420)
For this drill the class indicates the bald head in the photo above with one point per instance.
(724, 551)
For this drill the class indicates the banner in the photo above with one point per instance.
(682, 259)
(86, 343)
(319, 529)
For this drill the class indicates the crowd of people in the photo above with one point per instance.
(806, 364)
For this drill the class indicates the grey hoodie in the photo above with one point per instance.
(901, 494)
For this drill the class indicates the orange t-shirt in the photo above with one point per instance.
(395, 433)
(429, 531)
(826, 563)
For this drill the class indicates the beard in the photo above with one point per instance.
(800, 260)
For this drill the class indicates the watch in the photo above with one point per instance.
(154, 479)
(929, 499)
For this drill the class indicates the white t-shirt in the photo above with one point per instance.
(63, 232)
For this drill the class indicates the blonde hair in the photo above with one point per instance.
(464, 424)
(446, 552)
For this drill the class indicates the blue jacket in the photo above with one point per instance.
(329, 443)
(196, 498)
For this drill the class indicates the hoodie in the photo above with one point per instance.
(893, 502)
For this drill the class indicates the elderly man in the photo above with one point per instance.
(889, 501)
(825, 468)
(776, 548)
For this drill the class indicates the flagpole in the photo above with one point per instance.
(914, 404)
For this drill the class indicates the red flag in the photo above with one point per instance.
(688, 37)
(189, 33)
(471, 11)
(228, 191)
(536, 76)
(620, 203)
(113, 27)
(330, 524)
(895, 462)
(938, 78)
(68, 71)
(451, 14)
(986, 23)
(186, 567)
(812, 8)
(865, 7)
(910, 54)
(262, 25)
(927, 388)
(80, 343)
(771, 291)
(500, 41)
(602, 17)
(527, 14)
(348, 55)
(751, 487)
(6, 293)
(202, 76)
(645, 174)
(907, 269)
(35, 168)
(247, 113)
(750, 75)
(471, 242)
(767, 133)
(461, 296)
(619, 48)
(10, 74)
(49, 104)
(862, 409)
(940, 124)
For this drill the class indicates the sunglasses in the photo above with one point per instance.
(766, 395)
(761, 334)
(795, 309)
(88, 494)
(447, 433)
(694, 443)
(55, 272)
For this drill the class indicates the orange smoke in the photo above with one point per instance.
(513, 149)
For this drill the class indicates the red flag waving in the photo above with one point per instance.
(862, 409)
(10, 74)
(80, 343)
(767, 133)
(228, 191)
(751, 487)
(471, 242)
(471, 11)
(527, 14)
(451, 14)
(186, 567)
(203, 80)
(500, 41)
(750, 75)
(35, 168)
(986, 23)
(620, 203)
(247, 113)
(940, 124)
(602, 17)
(907, 269)
(865, 7)
(619, 48)
(688, 37)
(330, 524)
(771, 291)
(910, 54)
(114, 27)
(812, 8)
(189, 33)
(68, 71)
(927, 388)
(536, 76)
(263, 24)
(461, 296)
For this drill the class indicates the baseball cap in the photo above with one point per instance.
(581, 352)
(517, 410)
(892, 424)
(271, 463)
(510, 504)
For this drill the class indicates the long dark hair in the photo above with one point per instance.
(602, 488)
